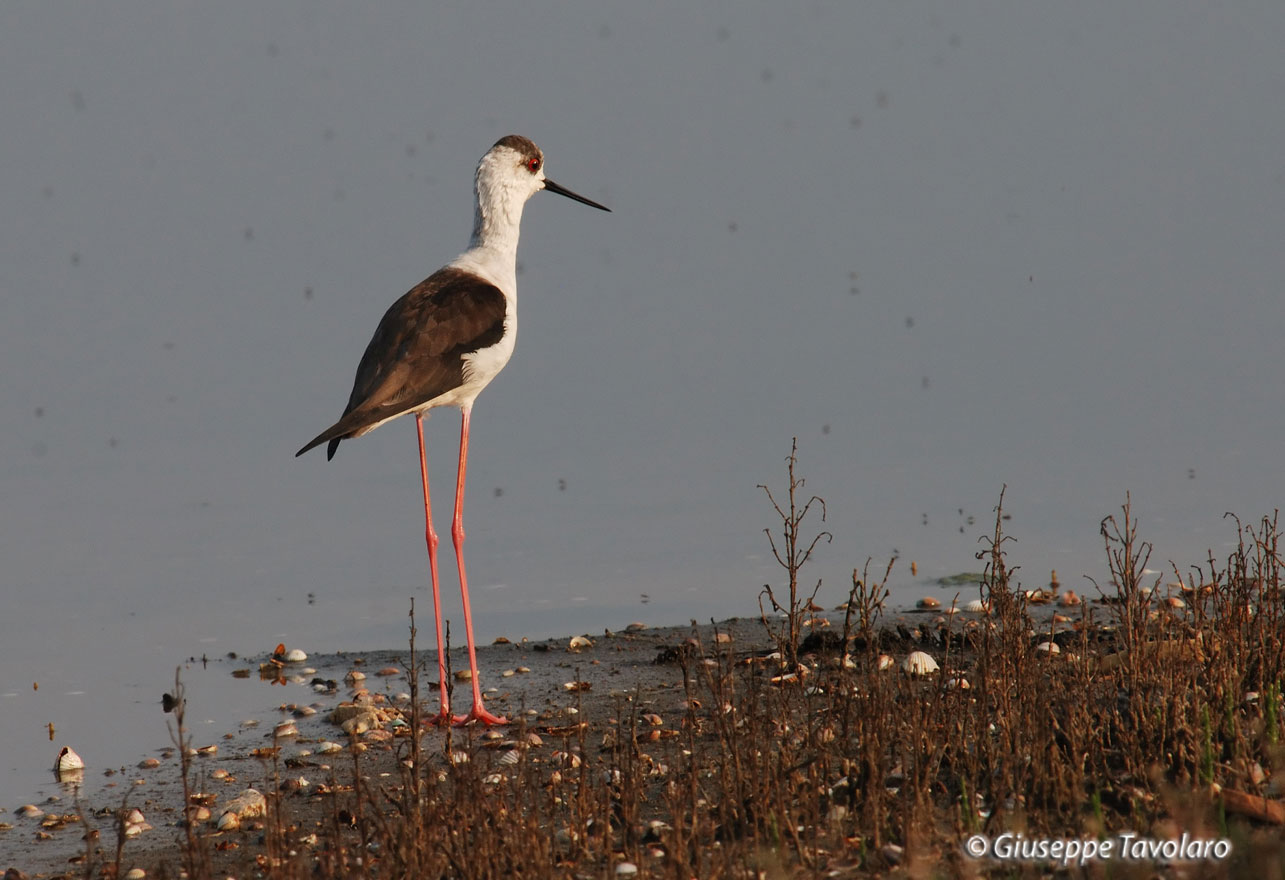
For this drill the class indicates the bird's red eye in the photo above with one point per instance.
(533, 165)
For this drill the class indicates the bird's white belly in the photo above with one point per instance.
(480, 368)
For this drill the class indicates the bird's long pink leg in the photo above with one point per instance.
(478, 712)
(430, 536)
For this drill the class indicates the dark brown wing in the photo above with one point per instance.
(417, 352)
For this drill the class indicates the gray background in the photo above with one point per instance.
(950, 246)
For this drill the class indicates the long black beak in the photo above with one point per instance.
(563, 191)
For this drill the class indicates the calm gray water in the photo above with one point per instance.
(950, 249)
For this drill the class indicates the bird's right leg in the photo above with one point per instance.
(444, 716)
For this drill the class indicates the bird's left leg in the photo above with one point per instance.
(478, 712)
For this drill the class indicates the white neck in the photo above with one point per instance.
(497, 217)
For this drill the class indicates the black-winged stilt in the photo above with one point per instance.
(441, 343)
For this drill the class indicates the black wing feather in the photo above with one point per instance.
(417, 352)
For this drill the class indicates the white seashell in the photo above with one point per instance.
(1049, 647)
(493, 779)
(246, 805)
(29, 811)
(977, 606)
(359, 724)
(294, 655)
(355, 675)
(134, 817)
(522, 670)
(579, 643)
(508, 673)
(304, 712)
(511, 757)
(285, 728)
(329, 748)
(68, 760)
(886, 662)
(459, 757)
(626, 869)
(919, 663)
(135, 874)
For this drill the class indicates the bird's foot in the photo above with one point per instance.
(479, 713)
(444, 718)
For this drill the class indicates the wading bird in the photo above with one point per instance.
(441, 343)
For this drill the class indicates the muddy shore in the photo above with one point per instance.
(545, 687)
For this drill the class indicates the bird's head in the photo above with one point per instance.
(512, 171)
